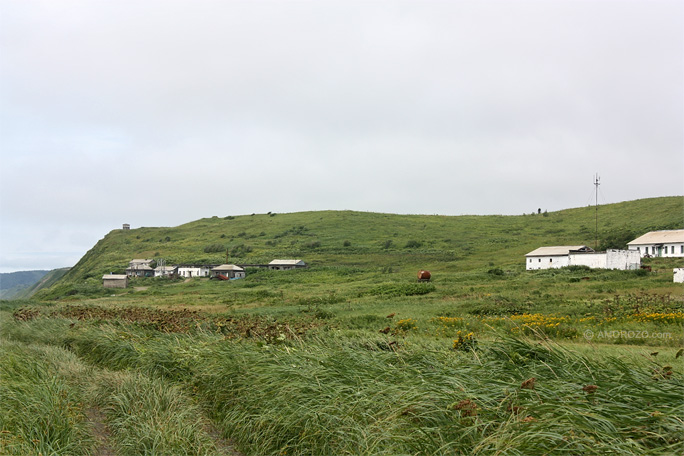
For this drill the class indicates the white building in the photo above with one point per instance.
(666, 243)
(610, 259)
(581, 255)
(286, 264)
(165, 271)
(678, 275)
(192, 270)
(552, 257)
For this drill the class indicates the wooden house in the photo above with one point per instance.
(115, 281)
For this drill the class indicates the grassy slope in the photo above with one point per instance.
(465, 242)
(345, 387)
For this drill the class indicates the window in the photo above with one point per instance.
(550, 260)
(540, 260)
(646, 250)
(682, 248)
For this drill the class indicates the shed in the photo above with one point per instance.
(282, 265)
(115, 280)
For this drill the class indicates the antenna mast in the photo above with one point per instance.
(597, 182)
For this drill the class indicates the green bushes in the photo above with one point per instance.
(214, 248)
(400, 289)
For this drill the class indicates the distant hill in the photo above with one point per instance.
(14, 282)
(374, 240)
(24, 284)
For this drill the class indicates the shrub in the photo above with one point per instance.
(406, 324)
(464, 342)
(214, 248)
(400, 289)
(412, 244)
(240, 250)
(495, 272)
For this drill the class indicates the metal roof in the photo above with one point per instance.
(659, 237)
(559, 250)
(286, 262)
(115, 276)
(227, 267)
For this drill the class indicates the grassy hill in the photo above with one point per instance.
(374, 240)
(352, 355)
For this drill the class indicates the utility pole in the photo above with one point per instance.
(597, 182)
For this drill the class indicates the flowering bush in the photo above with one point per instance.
(465, 341)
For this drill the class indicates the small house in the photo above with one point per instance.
(283, 265)
(228, 271)
(193, 270)
(140, 268)
(665, 243)
(165, 271)
(115, 281)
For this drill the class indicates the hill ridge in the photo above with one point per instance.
(375, 240)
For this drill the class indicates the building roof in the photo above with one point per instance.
(165, 268)
(659, 237)
(227, 267)
(286, 262)
(559, 250)
(140, 267)
(114, 277)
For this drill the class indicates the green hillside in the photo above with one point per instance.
(362, 239)
(353, 355)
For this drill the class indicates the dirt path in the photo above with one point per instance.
(100, 431)
(222, 445)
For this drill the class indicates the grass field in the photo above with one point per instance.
(352, 355)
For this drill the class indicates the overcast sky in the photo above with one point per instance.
(157, 113)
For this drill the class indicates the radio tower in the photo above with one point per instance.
(597, 182)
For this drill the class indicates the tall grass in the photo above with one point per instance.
(40, 412)
(376, 394)
(48, 395)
